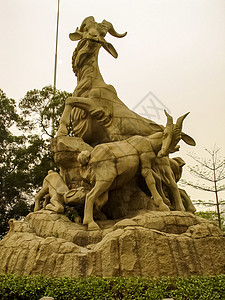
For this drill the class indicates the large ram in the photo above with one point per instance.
(97, 114)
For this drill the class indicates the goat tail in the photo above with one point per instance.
(83, 157)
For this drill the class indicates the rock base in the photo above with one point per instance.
(144, 244)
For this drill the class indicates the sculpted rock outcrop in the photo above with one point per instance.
(143, 244)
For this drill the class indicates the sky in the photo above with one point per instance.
(172, 57)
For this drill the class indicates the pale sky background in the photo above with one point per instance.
(174, 49)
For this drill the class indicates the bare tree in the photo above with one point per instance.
(212, 171)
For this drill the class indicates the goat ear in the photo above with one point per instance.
(76, 36)
(109, 48)
(187, 139)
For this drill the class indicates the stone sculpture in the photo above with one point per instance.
(56, 194)
(97, 114)
(176, 165)
(111, 165)
(128, 142)
(167, 172)
(116, 168)
(53, 189)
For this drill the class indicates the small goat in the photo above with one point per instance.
(167, 172)
(111, 165)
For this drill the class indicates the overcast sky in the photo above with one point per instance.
(173, 56)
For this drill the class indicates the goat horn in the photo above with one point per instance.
(111, 30)
(86, 20)
(169, 118)
(180, 120)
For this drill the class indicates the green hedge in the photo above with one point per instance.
(35, 287)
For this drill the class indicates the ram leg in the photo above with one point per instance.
(160, 188)
(39, 196)
(150, 181)
(64, 121)
(176, 196)
(100, 188)
(187, 200)
(55, 205)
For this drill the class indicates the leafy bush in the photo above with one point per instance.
(34, 287)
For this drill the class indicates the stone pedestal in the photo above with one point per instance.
(143, 244)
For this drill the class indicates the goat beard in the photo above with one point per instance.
(85, 49)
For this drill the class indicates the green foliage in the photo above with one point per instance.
(35, 287)
(42, 109)
(26, 159)
(212, 216)
(8, 115)
(209, 215)
(12, 174)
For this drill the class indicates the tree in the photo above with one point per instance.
(212, 171)
(26, 159)
(11, 179)
(211, 216)
(42, 110)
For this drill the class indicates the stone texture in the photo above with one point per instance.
(143, 244)
(66, 150)
(123, 160)
(113, 147)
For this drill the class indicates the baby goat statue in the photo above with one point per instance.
(111, 165)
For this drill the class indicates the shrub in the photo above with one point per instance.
(93, 288)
